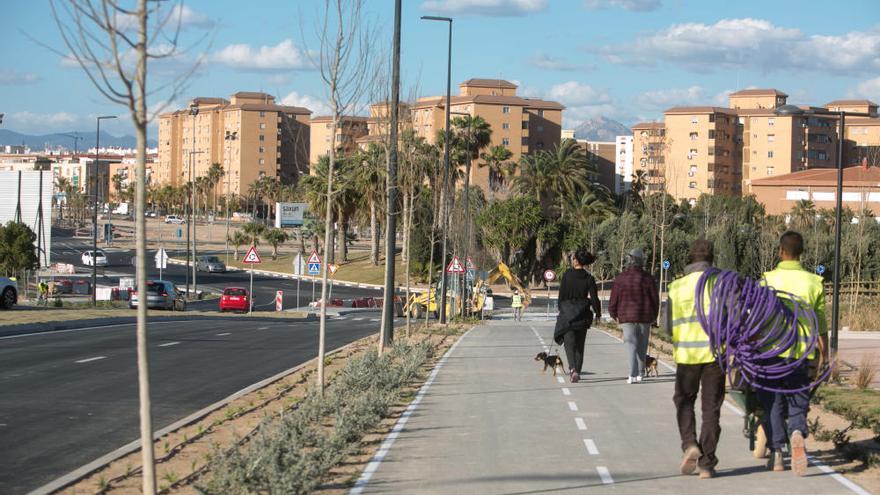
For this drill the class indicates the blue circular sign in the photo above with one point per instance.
(666, 264)
(820, 269)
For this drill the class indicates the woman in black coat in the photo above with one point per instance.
(578, 305)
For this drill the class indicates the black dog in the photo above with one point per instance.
(651, 366)
(550, 360)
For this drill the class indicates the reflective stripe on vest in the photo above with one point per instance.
(689, 340)
(791, 277)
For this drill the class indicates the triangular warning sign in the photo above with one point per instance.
(314, 258)
(252, 256)
(455, 266)
(470, 264)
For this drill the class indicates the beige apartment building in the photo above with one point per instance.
(861, 189)
(602, 155)
(249, 134)
(649, 154)
(349, 130)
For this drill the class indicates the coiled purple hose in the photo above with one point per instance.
(750, 325)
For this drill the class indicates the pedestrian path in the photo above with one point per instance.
(492, 423)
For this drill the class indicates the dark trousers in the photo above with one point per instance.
(775, 405)
(689, 380)
(573, 341)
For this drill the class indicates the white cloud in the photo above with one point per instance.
(753, 43)
(493, 8)
(283, 56)
(631, 5)
(546, 62)
(317, 106)
(12, 77)
(40, 123)
(582, 102)
(665, 98)
(869, 89)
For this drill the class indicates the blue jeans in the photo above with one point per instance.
(775, 405)
(635, 340)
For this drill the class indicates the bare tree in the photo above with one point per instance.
(344, 61)
(112, 44)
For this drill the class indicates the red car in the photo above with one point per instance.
(235, 299)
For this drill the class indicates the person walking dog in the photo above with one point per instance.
(634, 304)
(578, 305)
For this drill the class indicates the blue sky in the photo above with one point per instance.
(622, 59)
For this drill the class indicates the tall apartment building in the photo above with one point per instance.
(601, 155)
(348, 131)
(623, 164)
(649, 154)
(862, 134)
(265, 140)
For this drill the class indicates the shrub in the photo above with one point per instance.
(866, 372)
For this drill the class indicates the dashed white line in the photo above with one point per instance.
(560, 379)
(580, 424)
(224, 334)
(88, 360)
(374, 319)
(566, 391)
(263, 328)
(605, 475)
(168, 344)
(572, 406)
(591, 446)
(356, 319)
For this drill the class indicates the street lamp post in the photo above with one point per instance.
(795, 111)
(95, 210)
(230, 136)
(465, 289)
(194, 111)
(445, 208)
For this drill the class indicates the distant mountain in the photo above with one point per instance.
(601, 129)
(64, 140)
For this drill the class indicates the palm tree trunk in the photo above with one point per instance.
(374, 234)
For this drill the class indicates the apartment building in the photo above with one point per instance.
(623, 164)
(857, 106)
(348, 131)
(249, 134)
(601, 155)
(649, 155)
(861, 189)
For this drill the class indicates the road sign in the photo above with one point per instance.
(179, 232)
(161, 259)
(332, 268)
(820, 269)
(471, 275)
(666, 264)
(469, 263)
(299, 265)
(549, 275)
(314, 268)
(455, 266)
(314, 258)
(279, 298)
(252, 256)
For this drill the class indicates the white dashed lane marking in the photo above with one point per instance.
(604, 475)
(263, 328)
(580, 424)
(357, 319)
(591, 447)
(168, 344)
(560, 379)
(224, 334)
(566, 391)
(89, 360)
(572, 406)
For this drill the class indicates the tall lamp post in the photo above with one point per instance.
(230, 136)
(465, 289)
(795, 111)
(445, 208)
(194, 111)
(95, 210)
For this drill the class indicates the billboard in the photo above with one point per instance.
(27, 196)
(289, 214)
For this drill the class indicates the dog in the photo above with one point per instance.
(651, 366)
(550, 360)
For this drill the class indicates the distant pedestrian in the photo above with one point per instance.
(516, 303)
(634, 304)
(578, 305)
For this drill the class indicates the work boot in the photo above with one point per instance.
(689, 460)
(776, 463)
(798, 453)
(707, 473)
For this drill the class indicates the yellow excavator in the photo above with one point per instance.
(422, 302)
(499, 272)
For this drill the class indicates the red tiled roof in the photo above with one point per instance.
(758, 92)
(489, 83)
(850, 102)
(690, 110)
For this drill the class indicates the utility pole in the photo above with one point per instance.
(95, 214)
(193, 110)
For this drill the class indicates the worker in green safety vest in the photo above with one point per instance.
(516, 303)
(789, 276)
(697, 371)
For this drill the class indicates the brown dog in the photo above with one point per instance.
(550, 360)
(651, 366)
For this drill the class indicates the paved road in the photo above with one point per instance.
(491, 423)
(69, 397)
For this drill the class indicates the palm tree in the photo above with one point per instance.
(215, 173)
(62, 184)
(803, 213)
(497, 161)
(275, 237)
(253, 230)
(369, 181)
(238, 238)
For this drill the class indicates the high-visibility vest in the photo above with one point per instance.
(790, 276)
(689, 341)
(517, 301)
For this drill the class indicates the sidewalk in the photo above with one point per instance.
(491, 422)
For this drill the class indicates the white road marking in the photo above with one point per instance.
(566, 391)
(605, 475)
(224, 334)
(341, 317)
(263, 328)
(591, 447)
(168, 344)
(356, 319)
(81, 361)
(560, 379)
(580, 424)
(572, 406)
(374, 319)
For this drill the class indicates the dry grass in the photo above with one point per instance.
(866, 372)
(864, 317)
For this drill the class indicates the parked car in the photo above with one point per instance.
(8, 292)
(235, 299)
(161, 294)
(210, 264)
(94, 258)
(174, 219)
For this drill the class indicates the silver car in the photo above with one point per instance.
(161, 294)
(8, 292)
(210, 264)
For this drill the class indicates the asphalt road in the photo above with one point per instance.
(70, 397)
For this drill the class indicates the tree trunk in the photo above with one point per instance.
(341, 241)
(374, 234)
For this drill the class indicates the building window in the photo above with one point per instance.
(771, 138)
(541, 113)
(262, 161)
(770, 170)
(262, 149)
(505, 125)
(525, 124)
(262, 137)
(525, 141)
(711, 134)
(692, 185)
(695, 120)
(694, 136)
(643, 162)
(505, 141)
(692, 153)
(262, 114)
(769, 154)
(771, 121)
(505, 109)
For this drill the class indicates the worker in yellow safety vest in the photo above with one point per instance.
(696, 367)
(789, 276)
(516, 303)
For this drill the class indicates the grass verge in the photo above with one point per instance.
(357, 269)
(52, 315)
(860, 406)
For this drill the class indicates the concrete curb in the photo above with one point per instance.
(135, 445)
